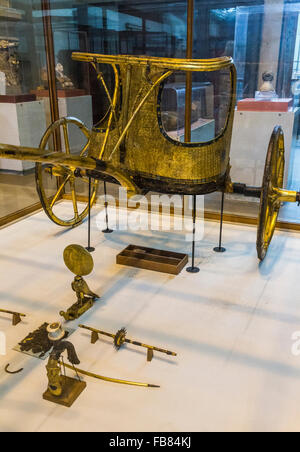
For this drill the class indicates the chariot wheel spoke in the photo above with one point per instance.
(85, 149)
(59, 191)
(63, 178)
(66, 137)
(74, 198)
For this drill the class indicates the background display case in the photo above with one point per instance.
(22, 114)
(261, 35)
(173, 111)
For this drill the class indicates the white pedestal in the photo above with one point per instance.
(79, 107)
(251, 135)
(203, 130)
(21, 124)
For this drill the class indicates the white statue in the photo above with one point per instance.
(2, 84)
(267, 90)
(63, 80)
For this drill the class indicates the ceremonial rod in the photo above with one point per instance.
(12, 312)
(129, 341)
(112, 380)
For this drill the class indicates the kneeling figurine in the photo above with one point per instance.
(61, 389)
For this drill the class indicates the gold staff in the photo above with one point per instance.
(120, 338)
(16, 316)
(112, 380)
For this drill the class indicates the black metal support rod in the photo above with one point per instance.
(89, 247)
(220, 249)
(107, 230)
(193, 269)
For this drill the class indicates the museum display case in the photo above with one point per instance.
(262, 38)
(22, 113)
(110, 112)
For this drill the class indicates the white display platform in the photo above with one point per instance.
(22, 124)
(250, 140)
(231, 325)
(202, 131)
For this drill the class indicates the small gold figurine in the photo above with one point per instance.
(10, 65)
(80, 262)
(82, 290)
(61, 389)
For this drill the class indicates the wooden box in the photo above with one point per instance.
(152, 259)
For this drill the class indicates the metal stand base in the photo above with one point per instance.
(90, 249)
(71, 391)
(193, 268)
(107, 230)
(78, 309)
(220, 248)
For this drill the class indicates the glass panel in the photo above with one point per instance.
(211, 95)
(122, 27)
(263, 38)
(22, 113)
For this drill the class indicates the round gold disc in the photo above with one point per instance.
(78, 260)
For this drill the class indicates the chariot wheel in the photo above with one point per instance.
(269, 201)
(62, 179)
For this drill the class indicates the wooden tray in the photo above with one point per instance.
(152, 259)
(72, 92)
(17, 98)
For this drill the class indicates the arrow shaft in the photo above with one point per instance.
(151, 347)
(110, 379)
(103, 333)
(12, 312)
(129, 341)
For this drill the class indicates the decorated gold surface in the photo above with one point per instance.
(133, 137)
(78, 260)
(131, 140)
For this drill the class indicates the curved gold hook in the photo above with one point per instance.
(12, 372)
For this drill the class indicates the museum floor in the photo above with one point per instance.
(231, 325)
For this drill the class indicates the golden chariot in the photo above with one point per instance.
(131, 147)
